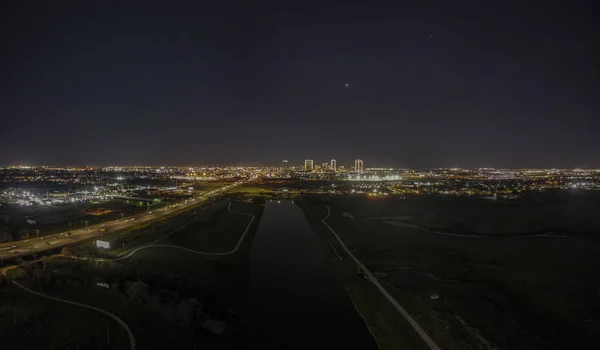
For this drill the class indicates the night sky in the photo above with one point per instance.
(465, 84)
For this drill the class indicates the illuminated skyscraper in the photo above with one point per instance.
(308, 165)
(358, 165)
(284, 163)
(333, 165)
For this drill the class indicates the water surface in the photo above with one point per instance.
(296, 297)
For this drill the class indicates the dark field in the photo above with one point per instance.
(572, 213)
(48, 324)
(218, 278)
(219, 234)
(506, 292)
(161, 318)
(30, 322)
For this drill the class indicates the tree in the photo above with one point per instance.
(37, 275)
(66, 251)
(24, 234)
(5, 236)
(138, 292)
(215, 326)
(115, 287)
(185, 312)
(154, 302)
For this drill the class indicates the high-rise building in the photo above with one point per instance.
(284, 163)
(333, 165)
(358, 165)
(324, 166)
(308, 165)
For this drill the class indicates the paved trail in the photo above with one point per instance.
(426, 338)
(126, 256)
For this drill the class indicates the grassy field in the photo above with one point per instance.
(504, 292)
(208, 185)
(151, 329)
(148, 232)
(563, 212)
(389, 328)
(214, 278)
(252, 190)
(30, 322)
(219, 234)
(131, 237)
(173, 277)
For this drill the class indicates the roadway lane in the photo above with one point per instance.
(16, 249)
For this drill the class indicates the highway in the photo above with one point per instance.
(126, 328)
(11, 250)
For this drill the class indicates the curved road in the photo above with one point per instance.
(128, 255)
(16, 249)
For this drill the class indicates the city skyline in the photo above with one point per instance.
(271, 175)
(348, 164)
(293, 166)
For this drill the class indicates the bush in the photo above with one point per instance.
(185, 312)
(154, 302)
(214, 326)
(37, 276)
(18, 274)
(127, 284)
(138, 292)
(115, 287)
(66, 251)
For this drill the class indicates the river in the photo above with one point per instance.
(295, 296)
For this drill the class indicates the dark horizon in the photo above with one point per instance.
(348, 166)
(503, 85)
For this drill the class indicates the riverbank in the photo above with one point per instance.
(390, 328)
(295, 297)
(171, 280)
(504, 292)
